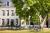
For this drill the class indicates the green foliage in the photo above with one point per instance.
(36, 19)
(26, 8)
(31, 2)
(48, 15)
(18, 4)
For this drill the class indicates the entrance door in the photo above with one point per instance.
(12, 22)
(7, 22)
(3, 22)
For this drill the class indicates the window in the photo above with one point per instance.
(7, 3)
(7, 12)
(12, 12)
(3, 12)
(3, 22)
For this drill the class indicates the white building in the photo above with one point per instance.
(8, 13)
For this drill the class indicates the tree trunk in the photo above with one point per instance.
(40, 17)
(43, 21)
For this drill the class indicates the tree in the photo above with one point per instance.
(41, 9)
(26, 8)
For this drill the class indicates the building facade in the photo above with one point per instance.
(8, 14)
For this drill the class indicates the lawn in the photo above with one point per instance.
(24, 31)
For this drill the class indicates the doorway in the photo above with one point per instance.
(12, 22)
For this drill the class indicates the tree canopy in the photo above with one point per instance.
(26, 8)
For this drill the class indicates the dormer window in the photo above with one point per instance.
(1, 3)
(7, 3)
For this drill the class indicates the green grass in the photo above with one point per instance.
(22, 31)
